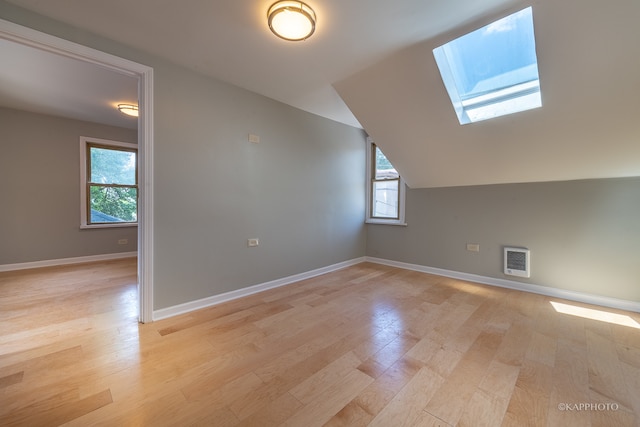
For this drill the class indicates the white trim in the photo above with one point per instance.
(228, 296)
(145, 188)
(385, 222)
(66, 261)
(603, 301)
(52, 44)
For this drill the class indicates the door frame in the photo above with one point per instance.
(39, 40)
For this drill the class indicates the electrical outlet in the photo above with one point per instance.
(473, 247)
(253, 242)
(123, 241)
(254, 138)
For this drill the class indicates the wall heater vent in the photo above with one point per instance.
(516, 262)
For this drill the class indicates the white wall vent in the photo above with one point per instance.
(516, 262)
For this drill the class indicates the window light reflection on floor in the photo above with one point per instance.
(589, 313)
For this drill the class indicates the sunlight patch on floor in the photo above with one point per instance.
(600, 315)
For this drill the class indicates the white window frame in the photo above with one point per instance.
(84, 142)
(369, 219)
(512, 96)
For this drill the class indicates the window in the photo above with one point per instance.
(109, 183)
(492, 71)
(385, 197)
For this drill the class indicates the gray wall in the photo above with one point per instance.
(40, 189)
(582, 234)
(300, 191)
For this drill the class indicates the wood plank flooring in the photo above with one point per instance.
(366, 345)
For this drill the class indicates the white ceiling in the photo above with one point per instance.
(369, 64)
(43, 82)
(230, 39)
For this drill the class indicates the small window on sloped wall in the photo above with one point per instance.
(385, 196)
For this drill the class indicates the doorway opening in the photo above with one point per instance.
(26, 36)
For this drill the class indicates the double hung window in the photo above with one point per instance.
(385, 201)
(109, 183)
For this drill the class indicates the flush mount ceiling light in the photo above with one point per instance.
(128, 109)
(291, 20)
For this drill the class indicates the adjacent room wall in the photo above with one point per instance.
(300, 190)
(582, 234)
(40, 188)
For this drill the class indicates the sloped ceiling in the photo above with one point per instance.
(43, 82)
(588, 126)
(370, 64)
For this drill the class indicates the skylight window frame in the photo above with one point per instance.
(503, 97)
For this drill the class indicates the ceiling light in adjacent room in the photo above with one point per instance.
(291, 20)
(128, 109)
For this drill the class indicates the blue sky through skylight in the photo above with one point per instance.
(492, 71)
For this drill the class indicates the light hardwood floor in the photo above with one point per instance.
(366, 345)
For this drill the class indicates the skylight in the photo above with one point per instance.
(492, 71)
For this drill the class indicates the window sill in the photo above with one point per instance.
(386, 222)
(114, 225)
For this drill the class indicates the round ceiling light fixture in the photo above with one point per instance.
(291, 20)
(128, 109)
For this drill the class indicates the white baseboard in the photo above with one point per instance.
(66, 261)
(187, 307)
(519, 286)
